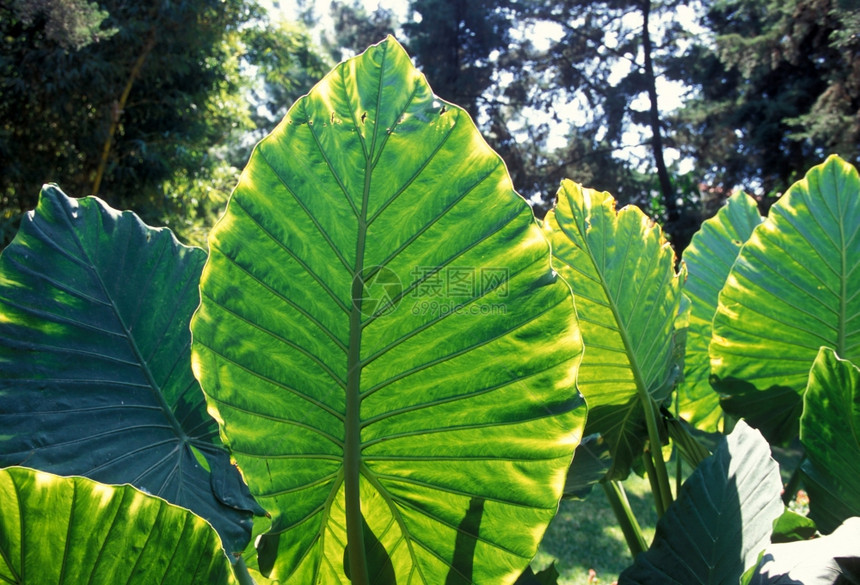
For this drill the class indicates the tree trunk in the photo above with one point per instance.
(666, 190)
(116, 111)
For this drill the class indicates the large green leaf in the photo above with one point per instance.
(709, 258)
(794, 288)
(721, 520)
(830, 432)
(72, 530)
(380, 328)
(627, 296)
(95, 353)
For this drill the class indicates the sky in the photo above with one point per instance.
(289, 7)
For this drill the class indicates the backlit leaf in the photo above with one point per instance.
(830, 432)
(709, 258)
(380, 326)
(74, 530)
(628, 296)
(794, 288)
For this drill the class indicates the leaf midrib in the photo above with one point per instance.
(352, 457)
(144, 366)
(641, 387)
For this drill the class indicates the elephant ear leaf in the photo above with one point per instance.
(722, 519)
(384, 343)
(709, 259)
(74, 530)
(793, 289)
(95, 350)
(830, 433)
(628, 297)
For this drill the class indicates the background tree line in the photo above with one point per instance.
(154, 106)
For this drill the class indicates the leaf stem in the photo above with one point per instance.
(240, 570)
(617, 497)
(651, 472)
(653, 457)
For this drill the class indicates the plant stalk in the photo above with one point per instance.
(651, 472)
(624, 514)
(240, 570)
(352, 446)
(653, 457)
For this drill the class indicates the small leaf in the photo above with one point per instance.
(721, 520)
(792, 527)
(74, 530)
(709, 258)
(691, 444)
(95, 350)
(793, 289)
(628, 296)
(830, 432)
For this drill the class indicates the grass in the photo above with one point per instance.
(585, 536)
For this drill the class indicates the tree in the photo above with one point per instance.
(602, 61)
(779, 89)
(355, 28)
(288, 64)
(72, 24)
(119, 115)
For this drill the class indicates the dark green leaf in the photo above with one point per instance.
(95, 352)
(721, 520)
(591, 461)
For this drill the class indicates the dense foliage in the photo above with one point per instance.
(572, 88)
(156, 109)
(780, 89)
(118, 116)
(381, 373)
(150, 106)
